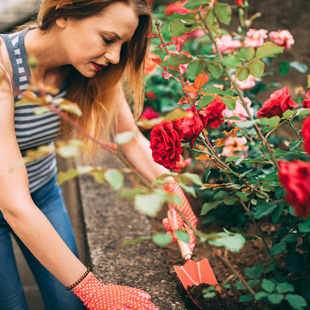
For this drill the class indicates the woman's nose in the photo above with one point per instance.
(113, 55)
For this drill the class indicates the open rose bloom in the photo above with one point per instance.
(239, 111)
(226, 43)
(255, 38)
(248, 83)
(282, 38)
(234, 145)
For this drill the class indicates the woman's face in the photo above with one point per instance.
(93, 43)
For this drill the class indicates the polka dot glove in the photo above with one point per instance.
(99, 296)
(176, 220)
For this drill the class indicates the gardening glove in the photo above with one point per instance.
(176, 219)
(98, 296)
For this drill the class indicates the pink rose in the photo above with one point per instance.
(306, 134)
(255, 38)
(248, 83)
(226, 43)
(282, 38)
(239, 111)
(233, 145)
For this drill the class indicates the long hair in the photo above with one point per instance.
(97, 96)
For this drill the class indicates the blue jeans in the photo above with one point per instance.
(49, 199)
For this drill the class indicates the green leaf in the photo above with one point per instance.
(302, 68)
(203, 102)
(132, 192)
(176, 60)
(216, 71)
(134, 241)
(303, 111)
(308, 81)
(194, 68)
(232, 62)
(257, 68)
(305, 226)
(187, 176)
(269, 49)
(182, 235)
(295, 263)
(195, 4)
(233, 242)
(223, 12)
(98, 176)
(246, 298)
(213, 90)
(115, 178)
(231, 201)
(268, 285)
(125, 137)
(230, 103)
(296, 301)
(181, 26)
(208, 206)
(188, 189)
(264, 209)
(275, 298)
(65, 176)
(284, 287)
(255, 272)
(220, 194)
(242, 73)
(283, 67)
(261, 295)
(162, 239)
(232, 158)
(150, 204)
(270, 121)
(241, 195)
(246, 53)
(246, 124)
(289, 113)
(277, 248)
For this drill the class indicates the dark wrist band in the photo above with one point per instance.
(79, 280)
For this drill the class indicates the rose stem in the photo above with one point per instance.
(236, 273)
(208, 31)
(168, 53)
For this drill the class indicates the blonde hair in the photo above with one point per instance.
(97, 96)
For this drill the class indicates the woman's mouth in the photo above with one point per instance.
(97, 66)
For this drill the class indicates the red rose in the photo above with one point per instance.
(176, 7)
(212, 114)
(165, 145)
(149, 113)
(239, 2)
(191, 127)
(306, 134)
(295, 178)
(151, 95)
(306, 102)
(277, 104)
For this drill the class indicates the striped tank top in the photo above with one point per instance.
(31, 130)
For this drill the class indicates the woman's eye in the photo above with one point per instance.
(108, 41)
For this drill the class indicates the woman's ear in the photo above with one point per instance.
(61, 22)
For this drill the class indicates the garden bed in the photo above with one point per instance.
(252, 252)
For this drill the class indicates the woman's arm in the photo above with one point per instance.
(23, 216)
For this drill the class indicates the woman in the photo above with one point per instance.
(84, 48)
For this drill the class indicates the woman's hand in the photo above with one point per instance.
(99, 296)
(176, 220)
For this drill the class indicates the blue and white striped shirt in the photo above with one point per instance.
(31, 130)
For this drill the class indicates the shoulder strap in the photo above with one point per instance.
(18, 56)
(7, 74)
